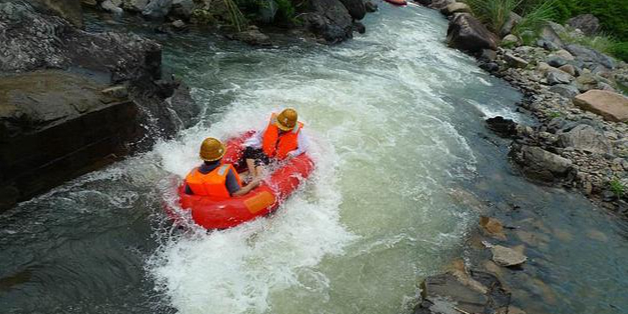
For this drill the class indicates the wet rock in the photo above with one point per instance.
(503, 127)
(566, 90)
(370, 6)
(329, 19)
(134, 5)
(597, 235)
(438, 4)
(446, 294)
(112, 6)
(507, 257)
(359, 27)
(488, 55)
(116, 92)
(511, 22)
(157, 9)
(590, 55)
(539, 164)
(253, 37)
(456, 7)
(556, 61)
(586, 138)
(466, 33)
(493, 227)
(489, 66)
(67, 9)
(356, 8)
(587, 23)
(611, 106)
(182, 9)
(179, 25)
(515, 61)
(43, 138)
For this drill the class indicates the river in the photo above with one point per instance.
(396, 121)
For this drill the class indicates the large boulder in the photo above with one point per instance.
(555, 77)
(56, 125)
(610, 105)
(505, 256)
(590, 55)
(67, 9)
(457, 292)
(329, 19)
(541, 165)
(586, 138)
(467, 33)
(549, 39)
(587, 23)
(356, 8)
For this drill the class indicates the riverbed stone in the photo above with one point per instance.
(541, 165)
(510, 40)
(566, 90)
(504, 256)
(456, 7)
(586, 138)
(134, 5)
(445, 293)
(157, 9)
(568, 68)
(611, 106)
(503, 127)
(587, 23)
(511, 22)
(493, 227)
(515, 61)
(590, 55)
(111, 6)
(467, 33)
(558, 77)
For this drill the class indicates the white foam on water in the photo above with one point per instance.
(385, 143)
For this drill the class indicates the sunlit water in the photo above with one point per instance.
(394, 118)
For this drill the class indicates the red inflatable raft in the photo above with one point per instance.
(397, 2)
(212, 213)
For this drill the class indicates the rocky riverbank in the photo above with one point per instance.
(324, 21)
(579, 142)
(72, 101)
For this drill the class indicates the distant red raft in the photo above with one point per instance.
(397, 2)
(212, 213)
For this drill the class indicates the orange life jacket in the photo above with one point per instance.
(213, 183)
(278, 146)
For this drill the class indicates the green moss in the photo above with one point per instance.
(617, 188)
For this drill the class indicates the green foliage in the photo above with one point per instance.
(554, 114)
(617, 188)
(285, 11)
(620, 50)
(612, 14)
(537, 17)
(236, 17)
(601, 42)
(494, 13)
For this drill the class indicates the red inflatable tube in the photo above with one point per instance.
(212, 213)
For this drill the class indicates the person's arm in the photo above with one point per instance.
(254, 141)
(303, 145)
(234, 188)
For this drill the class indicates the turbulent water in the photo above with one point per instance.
(396, 122)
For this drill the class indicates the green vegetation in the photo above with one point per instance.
(494, 13)
(554, 114)
(617, 188)
(534, 19)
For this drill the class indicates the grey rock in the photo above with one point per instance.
(157, 9)
(558, 77)
(110, 6)
(557, 28)
(566, 90)
(488, 55)
(370, 6)
(586, 138)
(511, 22)
(587, 23)
(549, 35)
(329, 19)
(466, 33)
(134, 5)
(510, 40)
(253, 37)
(359, 27)
(515, 61)
(590, 55)
(506, 257)
(539, 164)
(438, 4)
(569, 69)
(67, 9)
(356, 8)
(476, 292)
(456, 7)
(556, 61)
(182, 8)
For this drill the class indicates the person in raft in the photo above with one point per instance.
(282, 139)
(213, 178)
